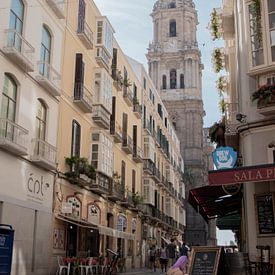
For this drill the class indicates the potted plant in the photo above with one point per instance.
(137, 199)
(265, 96)
(218, 58)
(127, 82)
(135, 100)
(221, 84)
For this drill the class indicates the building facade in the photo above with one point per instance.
(248, 31)
(30, 67)
(175, 68)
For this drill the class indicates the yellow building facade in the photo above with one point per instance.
(104, 193)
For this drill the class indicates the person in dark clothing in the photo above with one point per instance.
(171, 249)
(184, 250)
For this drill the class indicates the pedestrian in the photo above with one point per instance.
(171, 248)
(163, 258)
(184, 250)
(152, 258)
(179, 268)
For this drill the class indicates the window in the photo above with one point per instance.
(79, 76)
(165, 122)
(45, 53)
(255, 36)
(41, 120)
(81, 16)
(160, 110)
(182, 81)
(173, 28)
(9, 95)
(173, 79)
(133, 181)
(123, 171)
(76, 136)
(144, 83)
(164, 82)
(135, 90)
(271, 15)
(16, 23)
(172, 5)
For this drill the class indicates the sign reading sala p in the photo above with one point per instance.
(224, 157)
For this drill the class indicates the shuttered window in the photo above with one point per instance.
(124, 126)
(123, 173)
(76, 137)
(79, 76)
(134, 181)
(81, 15)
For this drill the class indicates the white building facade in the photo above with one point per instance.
(30, 59)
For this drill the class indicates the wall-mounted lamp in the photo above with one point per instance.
(241, 118)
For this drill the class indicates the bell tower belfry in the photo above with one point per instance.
(175, 67)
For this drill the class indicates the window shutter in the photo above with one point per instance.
(123, 168)
(124, 126)
(79, 75)
(114, 62)
(81, 15)
(76, 137)
(113, 115)
(135, 138)
(133, 181)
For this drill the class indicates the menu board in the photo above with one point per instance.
(204, 260)
(264, 204)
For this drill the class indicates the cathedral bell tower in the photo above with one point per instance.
(175, 68)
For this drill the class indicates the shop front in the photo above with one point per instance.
(27, 192)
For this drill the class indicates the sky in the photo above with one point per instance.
(134, 30)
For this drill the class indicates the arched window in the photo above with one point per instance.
(182, 81)
(164, 82)
(172, 5)
(9, 95)
(45, 53)
(173, 79)
(173, 28)
(16, 23)
(41, 120)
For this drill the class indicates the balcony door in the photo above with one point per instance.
(16, 24)
(8, 108)
(45, 53)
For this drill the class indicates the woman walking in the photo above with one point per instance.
(152, 258)
(163, 258)
(179, 268)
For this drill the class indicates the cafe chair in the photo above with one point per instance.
(91, 264)
(62, 266)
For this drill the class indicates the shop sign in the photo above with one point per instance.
(258, 173)
(224, 157)
(93, 214)
(121, 222)
(231, 189)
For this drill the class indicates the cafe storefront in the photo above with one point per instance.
(241, 199)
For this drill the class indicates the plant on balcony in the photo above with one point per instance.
(215, 25)
(218, 59)
(78, 168)
(265, 95)
(217, 131)
(137, 199)
(135, 100)
(221, 84)
(127, 82)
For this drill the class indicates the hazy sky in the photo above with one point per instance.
(133, 25)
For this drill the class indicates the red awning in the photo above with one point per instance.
(257, 173)
(213, 202)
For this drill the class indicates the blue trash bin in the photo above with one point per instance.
(6, 247)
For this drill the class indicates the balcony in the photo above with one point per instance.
(48, 78)
(85, 34)
(118, 79)
(43, 154)
(116, 132)
(128, 96)
(137, 109)
(13, 138)
(147, 127)
(116, 192)
(58, 7)
(148, 167)
(128, 200)
(101, 185)
(83, 98)
(137, 154)
(18, 49)
(156, 174)
(102, 58)
(127, 145)
(101, 116)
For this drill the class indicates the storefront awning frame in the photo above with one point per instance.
(76, 222)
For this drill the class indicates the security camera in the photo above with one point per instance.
(241, 118)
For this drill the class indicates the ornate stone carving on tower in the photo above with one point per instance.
(175, 68)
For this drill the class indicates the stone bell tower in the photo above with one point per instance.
(175, 68)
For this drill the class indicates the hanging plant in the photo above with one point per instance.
(222, 105)
(215, 25)
(217, 131)
(221, 84)
(255, 10)
(218, 59)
